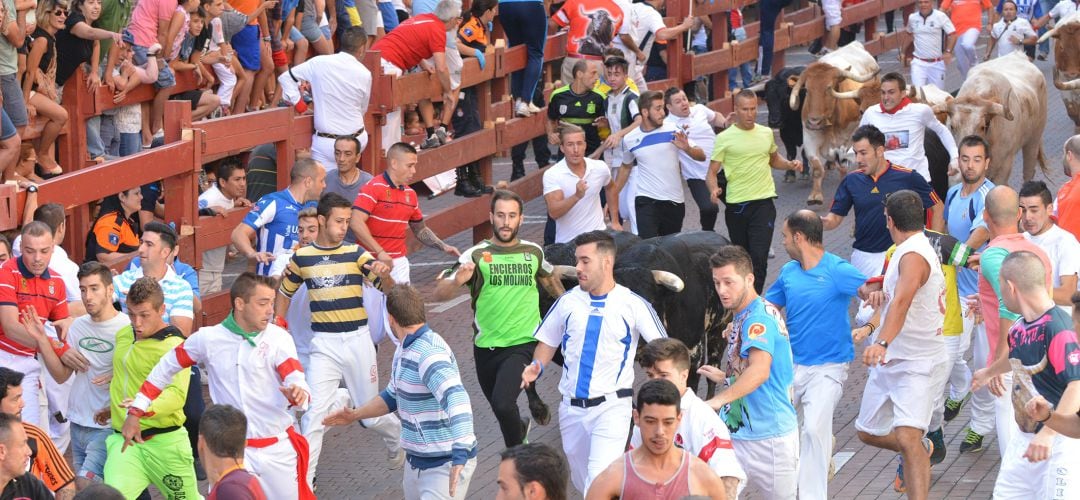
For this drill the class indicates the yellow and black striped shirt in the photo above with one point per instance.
(335, 282)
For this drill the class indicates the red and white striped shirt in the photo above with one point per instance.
(390, 209)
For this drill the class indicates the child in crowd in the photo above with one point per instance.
(150, 21)
(127, 76)
(203, 101)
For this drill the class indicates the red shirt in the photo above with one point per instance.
(1068, 207)
(237, 484)
(20, 288)
(414, 40)
(390, 209)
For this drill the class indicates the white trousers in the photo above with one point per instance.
(391, 132)
(322, 148)
(31, 370)
(434, 483)
(928, 73)
(817, 392)
(771, 465)
(959, 378)
(594, 437)
(59, 396)
(966, 56)
(228, 82)
(1004, 421)
(982, 401)
(276, 467)
(350, 358)
(375, 303)
(626, 200)
(1057, 478)
(869, 264)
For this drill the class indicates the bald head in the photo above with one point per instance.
(1072, 145)
(1003, 206)
(1025, 271)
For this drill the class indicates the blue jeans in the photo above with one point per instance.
(747, 75)
(88, 450)
(94, 145)
(770, 11)
(520, 21)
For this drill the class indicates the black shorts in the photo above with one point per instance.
(191, 95)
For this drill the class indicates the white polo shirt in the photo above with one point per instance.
(587, 214)
(929, 33)
(1062, 249)
(657, 162)
(598, 336)
(1003, 32)
(698, 127)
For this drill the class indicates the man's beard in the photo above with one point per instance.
(513, 235)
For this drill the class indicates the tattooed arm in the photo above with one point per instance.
(429, 238)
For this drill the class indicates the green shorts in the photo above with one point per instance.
(164, 460)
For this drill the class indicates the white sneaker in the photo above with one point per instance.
(520, 109)
(534, 109)
(397, 459)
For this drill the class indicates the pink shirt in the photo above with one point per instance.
(181, 35)
(989, 304)
(145, 18)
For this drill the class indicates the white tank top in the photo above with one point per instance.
(921, 335)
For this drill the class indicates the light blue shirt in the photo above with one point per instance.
(178, 295)
(817, 303)
(962, 216)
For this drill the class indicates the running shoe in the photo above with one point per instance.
(442, 135)
(938, 439)
(973, 442)
(899, 485)
(534, 109)
(431, 142)
(521, 109)
(953, 406)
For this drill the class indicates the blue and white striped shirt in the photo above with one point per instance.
(178, 293)
(598, 336)
(274, 219)
(436, 415)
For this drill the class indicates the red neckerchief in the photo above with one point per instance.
(903, 102)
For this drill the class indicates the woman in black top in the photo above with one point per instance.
(39, 85)
(77, 43)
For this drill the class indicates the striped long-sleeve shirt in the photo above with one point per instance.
(436, 415)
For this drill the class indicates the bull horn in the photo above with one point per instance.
(792, 80)
(850, 94)
(1003, 108)
(1046, 36)
(1065, 85)
(1033, 369)
(793, 101)
(668, 280)
(565, 272)
(858, 78)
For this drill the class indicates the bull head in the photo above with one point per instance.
(1002, 109)
(663, 278)
(1023, 390)
(846, 73)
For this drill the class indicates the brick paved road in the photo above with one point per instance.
(353, 464)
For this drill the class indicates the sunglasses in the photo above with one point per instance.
(60, 13)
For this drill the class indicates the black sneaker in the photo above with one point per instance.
(938, 455)
(973, 442)
(953, 406)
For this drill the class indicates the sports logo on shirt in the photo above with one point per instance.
(562, 109)
(1074, 357)
(94, 344)
(114, 238)
(755, 330)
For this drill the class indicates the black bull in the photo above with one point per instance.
(693, 315)
(789, 123)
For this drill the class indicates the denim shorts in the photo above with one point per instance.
(7, 129)
(88, 450)
(14, 102)
(165, 77)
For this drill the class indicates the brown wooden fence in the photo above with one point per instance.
(190, 145)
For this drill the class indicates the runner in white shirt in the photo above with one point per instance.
(622, 117)
(340, 89)
(653, 150)
(904, 124)
(701, 431)
(931, 45)
(91, 337)
(1010, 33)
(253, 367)
(596, 325)
(698, 123)
(572, 188)
(227, 192)
(1061, 246)
(644, 25)
(907, 358)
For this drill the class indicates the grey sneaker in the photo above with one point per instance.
(431, 142)
(442, 135)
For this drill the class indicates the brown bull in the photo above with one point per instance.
(1067, 64)
(838, 88)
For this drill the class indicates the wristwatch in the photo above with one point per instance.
(883, 343)
(31, 189)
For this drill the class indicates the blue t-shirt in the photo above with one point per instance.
(867, 195)
(1025, 9)
(766, 412)
(817, 308)
(962, 216)
(274, 219)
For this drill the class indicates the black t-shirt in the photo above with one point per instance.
(262, 171)
(1050, 345)
(71, 51)
(26, 486)
(579, 109)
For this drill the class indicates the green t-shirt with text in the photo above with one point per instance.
(504, 293)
